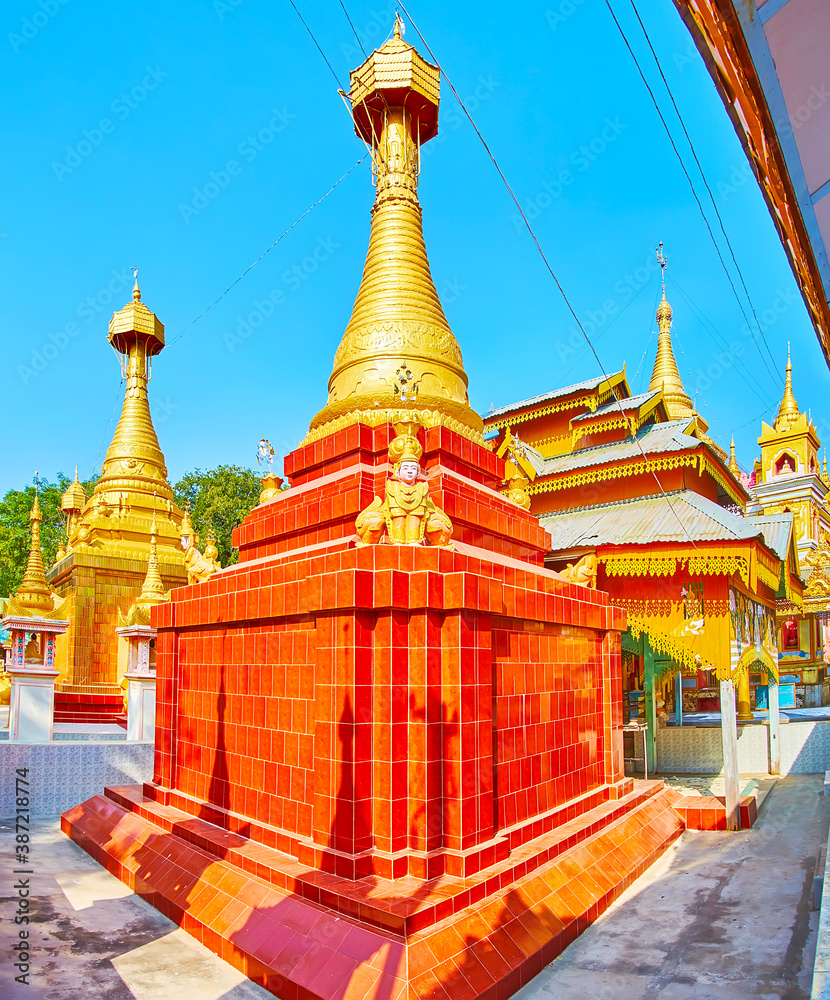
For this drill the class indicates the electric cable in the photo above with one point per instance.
(691, 185)
(316, 44)
(296, 222)
(550, 270)
(717, 336)
(703, 178)
(354, 30)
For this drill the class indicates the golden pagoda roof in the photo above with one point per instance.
(398, 352)
(136, 318)
(33, 598)
(74, 497)
(665, 374)
(788, 411)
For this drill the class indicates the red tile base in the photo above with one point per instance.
(708, 812)
(303, 934)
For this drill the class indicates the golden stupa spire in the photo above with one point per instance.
(733, 466)
(824, 477)
(34, 596)
(152, 590)
(788, 410)
(134, 461)
(665, 374)
(397, 322)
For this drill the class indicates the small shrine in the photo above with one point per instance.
(787, 482)
(34, 619)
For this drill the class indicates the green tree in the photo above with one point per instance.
(221, 499)
(15, 528)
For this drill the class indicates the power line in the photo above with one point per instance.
(716, 336)
(548, 266)
(351, 25)
(316, 44)
(689, 179)
(703, 178)
(265, 252)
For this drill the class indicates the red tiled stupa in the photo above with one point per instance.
(386, 770)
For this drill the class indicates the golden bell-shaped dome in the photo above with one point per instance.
(397, 323)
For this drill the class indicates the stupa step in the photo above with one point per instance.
(297, 933)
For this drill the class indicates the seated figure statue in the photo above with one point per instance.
(407, 515)
(199, 567)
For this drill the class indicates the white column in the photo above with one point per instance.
(774, 728)
(729, 735)
(32, 705)
(141, 708)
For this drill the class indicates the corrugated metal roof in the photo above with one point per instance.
(591, 383)
(672, 517)
(632, 403)
(777, 529)
(654, 439)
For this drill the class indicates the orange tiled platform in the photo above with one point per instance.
(303, 933)
(392, 741)
(708, 812)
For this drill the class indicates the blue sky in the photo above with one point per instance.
(121, 121)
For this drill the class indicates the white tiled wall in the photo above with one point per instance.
(805, 749)
(62, 774)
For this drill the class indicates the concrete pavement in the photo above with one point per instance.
(719, 916)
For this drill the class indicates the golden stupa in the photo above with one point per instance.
(398, 339)
(34, 597)
(130, 521)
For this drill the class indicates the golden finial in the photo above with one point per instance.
(152, 590)
(73, 498)
(136, 289)
(186, 530)
(34, 596)
(399, 28)
(397, 316)
(665, 374)
(733, 466)
(824, 478)
(788, 410)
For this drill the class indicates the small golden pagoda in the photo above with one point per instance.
(34, 597)
(788, 475)
(398, 339)
(732, 465)
(129, 519)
